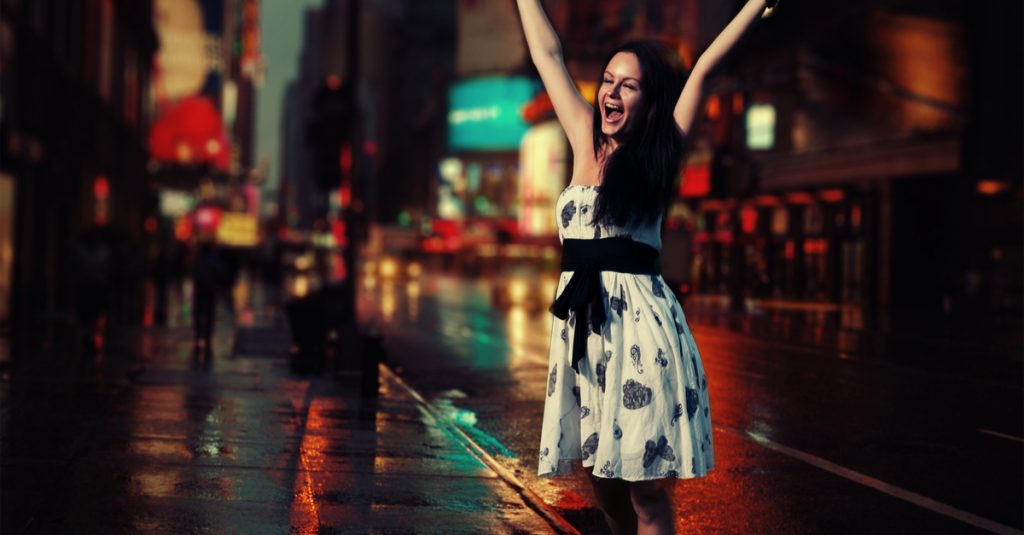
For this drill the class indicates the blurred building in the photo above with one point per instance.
(204, 77)
(853, 156)
(861, 154)
(74, 112)
(376, 132)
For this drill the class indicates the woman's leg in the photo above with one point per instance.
(653, 506)
(614, 501)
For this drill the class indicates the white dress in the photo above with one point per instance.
(638, 408)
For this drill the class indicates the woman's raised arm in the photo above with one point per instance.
(574, 113)
(688, 105)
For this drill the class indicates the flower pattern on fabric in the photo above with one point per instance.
(641, 311)
(634, 355)
(565, 335)
(618, 304)
(691, 402)
(635, 395)
(656, 287)
(660, 358)
(567, 213)
(590, 445)
(652, 451)
(676, 414)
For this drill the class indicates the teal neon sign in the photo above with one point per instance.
(486, 114)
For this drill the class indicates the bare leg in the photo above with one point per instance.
(614, 501)
(653, 507)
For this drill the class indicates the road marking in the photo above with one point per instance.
(881, 486)
(555, 520)
(1000, 435)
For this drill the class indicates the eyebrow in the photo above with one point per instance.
(608, 73)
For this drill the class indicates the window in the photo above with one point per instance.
(761, 127)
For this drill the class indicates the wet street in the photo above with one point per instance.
(144, 437)
(807, 439)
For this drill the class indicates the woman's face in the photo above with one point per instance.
(619, 96)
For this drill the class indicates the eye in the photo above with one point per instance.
(607, 80)
(631, 86)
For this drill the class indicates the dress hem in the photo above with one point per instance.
(571, 468)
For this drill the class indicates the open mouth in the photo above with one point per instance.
(612, 112)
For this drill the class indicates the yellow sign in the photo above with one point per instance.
(238, 230)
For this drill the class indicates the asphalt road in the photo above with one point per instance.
(807, 440)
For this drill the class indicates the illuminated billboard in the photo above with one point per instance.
(543, 170)
(486, 114)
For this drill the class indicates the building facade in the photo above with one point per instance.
(74, 84)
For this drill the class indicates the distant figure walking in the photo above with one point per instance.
(208, 272)
(93, 274)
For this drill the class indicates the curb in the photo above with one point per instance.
(557, 522)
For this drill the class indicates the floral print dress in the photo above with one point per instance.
(638, 408)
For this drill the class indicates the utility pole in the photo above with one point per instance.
(364, 351)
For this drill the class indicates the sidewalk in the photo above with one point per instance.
(146, 439)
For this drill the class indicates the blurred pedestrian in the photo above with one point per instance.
(208, 273)
(626, 388)
(93, 258)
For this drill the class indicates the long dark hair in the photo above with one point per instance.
(640, 174)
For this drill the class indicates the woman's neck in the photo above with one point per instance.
(609, 146)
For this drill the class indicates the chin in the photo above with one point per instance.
(611, 130)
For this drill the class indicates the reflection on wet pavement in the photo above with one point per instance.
(150, 440)
(889, 421)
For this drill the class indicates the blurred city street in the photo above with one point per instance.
(145, 437)
(272, 266)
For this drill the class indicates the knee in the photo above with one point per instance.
(650, 500)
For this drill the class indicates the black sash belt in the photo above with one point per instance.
(582, 295)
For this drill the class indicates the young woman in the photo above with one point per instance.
(626, 389)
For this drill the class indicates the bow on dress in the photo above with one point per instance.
(582, 296)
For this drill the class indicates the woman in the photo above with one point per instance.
(626, 389)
